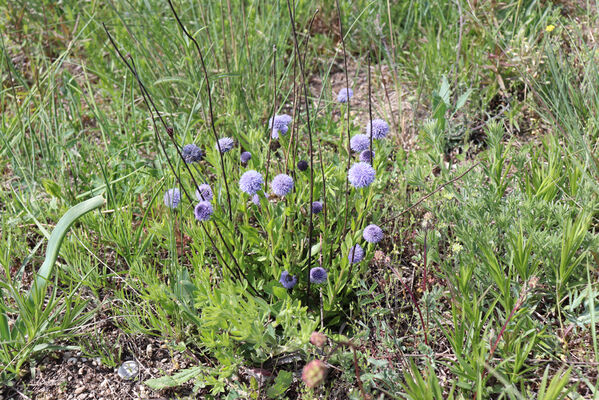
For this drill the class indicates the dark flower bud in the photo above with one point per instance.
(302, 165)
(245, 157)
(274, 145)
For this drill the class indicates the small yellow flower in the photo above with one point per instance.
(549, 28)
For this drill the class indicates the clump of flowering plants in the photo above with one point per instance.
(276, 213)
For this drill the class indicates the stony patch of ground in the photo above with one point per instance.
(73, 375)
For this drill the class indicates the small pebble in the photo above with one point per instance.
(80, 389)
(149, 350)
(128, 370)
(72, 360)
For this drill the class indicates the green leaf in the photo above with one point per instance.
(5, 335)
(281, 384)
(280, 292)
(172, 79)
(52, 188)
(444, 91)
(315, 249)
(178, 379)
(55, 241)
(462, 100)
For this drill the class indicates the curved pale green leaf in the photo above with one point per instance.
(55, 241)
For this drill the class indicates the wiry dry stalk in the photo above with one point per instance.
(208, 89)
(305, 86)
(238, 272)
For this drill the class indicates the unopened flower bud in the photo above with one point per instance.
(314, 373)
(318, 339)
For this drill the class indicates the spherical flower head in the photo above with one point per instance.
(316, 207)
(279, 124)
(287, 280)
(302, 165)
(344, 95)
(275, 133)
(281, 119)
(361, 175)
(192, 153)
(250, 182)
(356, 254)
(225, 144)
(372, 234)
(359, 142)
(379, 128)
(172, 198)
(245, 157)
(366, 156)
(256, 199)
(318, 275)
(314, 373)
(203, 211)
(282, 184)
(204, 192)
(318, 339)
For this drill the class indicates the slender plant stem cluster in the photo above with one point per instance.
(278, 203)
(360, 175)
(284, 195)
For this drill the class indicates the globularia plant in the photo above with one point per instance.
(293, 228)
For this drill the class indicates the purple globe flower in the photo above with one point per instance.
(361, 175)
(318, 275)
(245, 157)
(192, 153)
(287, 280)
(250, 182)
(302, 165)
(256, 199)
(172, 198)
(283, 119)
(275, 133)
(366, 156)
(225, 144)
(379, 128)
(316, 207)
(372, 233)
(344, 95)
(359, 142)
(203, 211)
(282, 184)
(204, 192)
(279, 124)
(356, 254)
